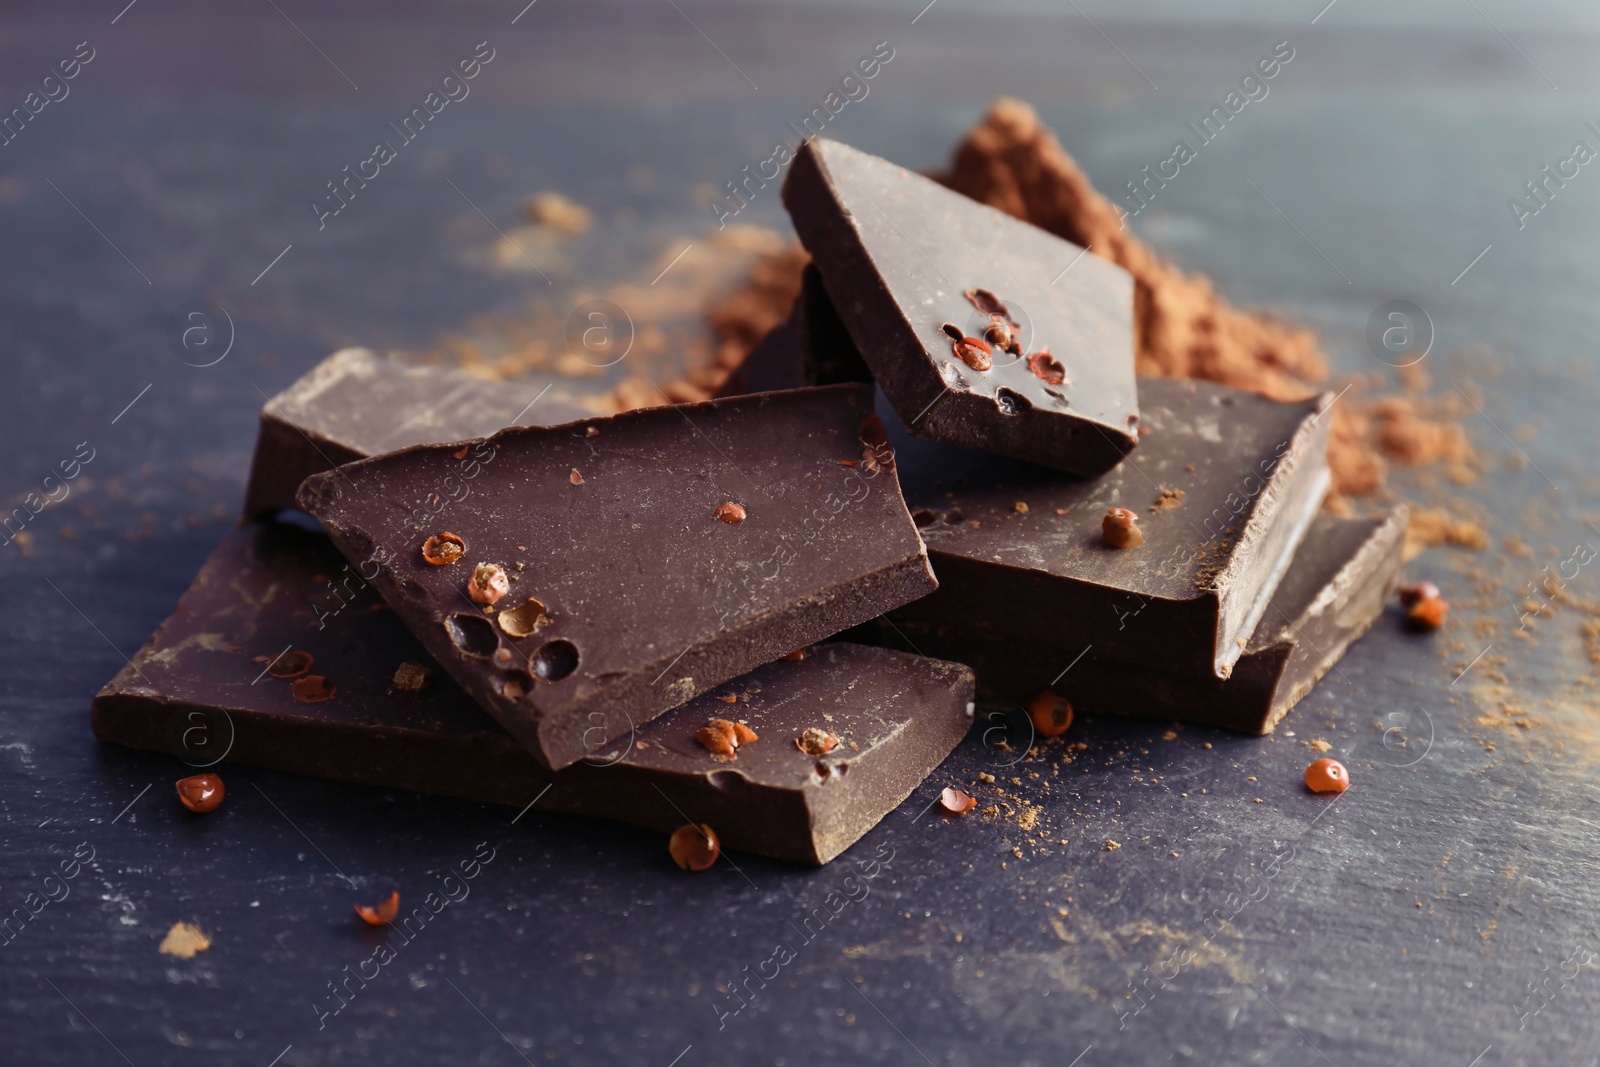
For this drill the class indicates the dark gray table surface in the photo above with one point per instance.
(1441, 912)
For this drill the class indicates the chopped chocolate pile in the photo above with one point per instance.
(1114, 481)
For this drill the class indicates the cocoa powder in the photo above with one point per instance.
(1183, 326)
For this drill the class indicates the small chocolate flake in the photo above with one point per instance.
(411, 677)
(1169, 499)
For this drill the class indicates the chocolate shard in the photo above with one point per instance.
(1224, 486)
(646, 557)
(918, 273)
(1336, 588)
(356, 404)
(196, 690)
(810, 347)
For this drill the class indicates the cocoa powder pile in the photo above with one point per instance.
(1183, 327)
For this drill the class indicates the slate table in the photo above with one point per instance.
(1164, 895)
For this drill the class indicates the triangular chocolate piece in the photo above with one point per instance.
(580, 580)
(982, 330)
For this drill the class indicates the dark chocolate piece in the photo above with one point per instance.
(356, 404)
(810, 347)
(914, 268)
(1335, 590)
(1225, 486)
(197, 691)
(634, 582)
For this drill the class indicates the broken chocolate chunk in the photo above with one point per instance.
(1253, 473)
(903, 258)
(650, 600)
(1333, 592)
(188, 693)
(356, 403)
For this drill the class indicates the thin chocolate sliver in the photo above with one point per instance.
(1336, 588)
(917, 273)
(1225, 486)
(356, 404)
(648, 556)
(197, 691)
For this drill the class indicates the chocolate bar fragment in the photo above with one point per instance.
(810, 347)
(356, 404)
(643, 558)
(1225, 486)
(982, 330)
(199, 690)
(1336, 588)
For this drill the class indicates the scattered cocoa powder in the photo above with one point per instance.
(1013, 162)
(1435, 526)
(738, 323)
(1184, 327)
(1591, 640)
(1406, 434)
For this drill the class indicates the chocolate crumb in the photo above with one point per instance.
(411, 677)
(1169, 499)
